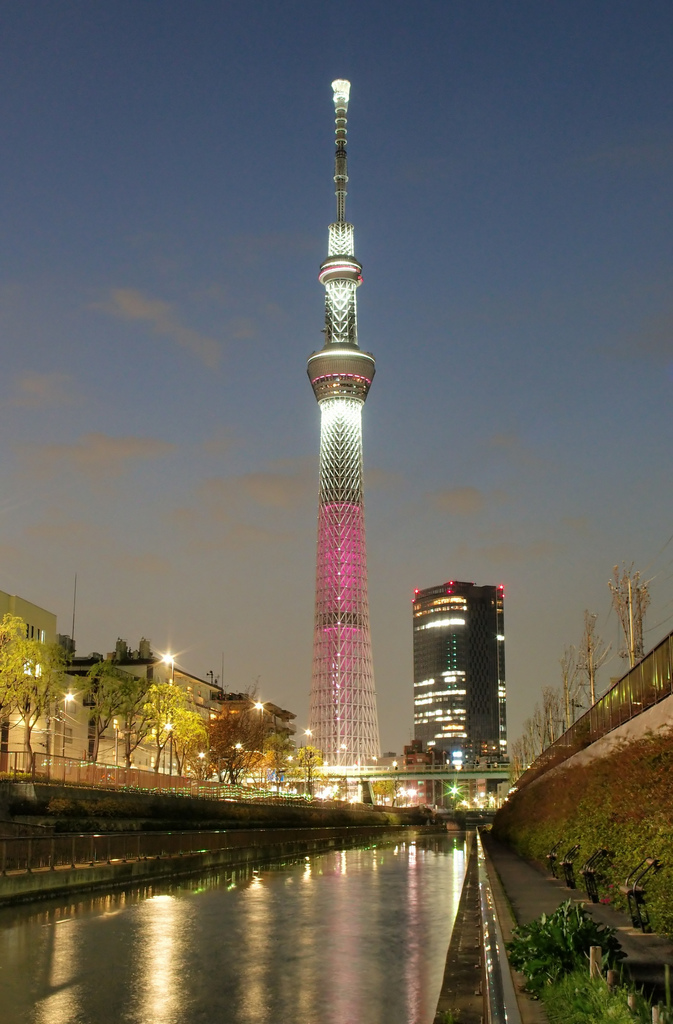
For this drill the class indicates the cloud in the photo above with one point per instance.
(68, 533)
(130, 304)
(255, 248)
(381, 479)
(145, 564)
(218, 446)
(654, 337)
(95, 455)
(241, 328)
(507, 441)
(509, 551)
(284, 485)
(652, 154)
(464, 501)
(578, 524)
(34, 390)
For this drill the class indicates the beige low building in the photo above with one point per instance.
(67, 731)
(61, 729)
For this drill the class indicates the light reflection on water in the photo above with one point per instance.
(350, 937)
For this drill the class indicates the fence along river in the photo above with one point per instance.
(349, 937)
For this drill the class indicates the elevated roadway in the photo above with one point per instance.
(440, 773)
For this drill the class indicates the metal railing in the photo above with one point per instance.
(499, 996)
(27, 854)
(16, 766)
(643, 686)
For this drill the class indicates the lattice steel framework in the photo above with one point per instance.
(343, 718)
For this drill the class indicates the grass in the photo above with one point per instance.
(577, 999)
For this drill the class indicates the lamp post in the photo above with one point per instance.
(169, 730)
(67, 699)
(116, 729)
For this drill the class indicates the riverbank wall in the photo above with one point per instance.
(82, 809)
(244, 848)
(618, 798)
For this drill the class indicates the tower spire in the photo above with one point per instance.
(343, 716)
(341, 89)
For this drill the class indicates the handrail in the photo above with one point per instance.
(28, 854)
(499, 995)
(643, 686)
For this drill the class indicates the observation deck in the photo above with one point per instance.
(341, 371)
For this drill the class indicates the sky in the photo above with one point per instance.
(165, 191)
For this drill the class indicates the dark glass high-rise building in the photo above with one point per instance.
(459, 671)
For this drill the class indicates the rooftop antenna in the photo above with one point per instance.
(74, 605)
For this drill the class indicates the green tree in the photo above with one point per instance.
(134, 692)
(164, 702)
(309, 761)
(12, 634)
(105, 697)
(236, 741)
(385, 789)
(40, 685)
(278, 748)
(190, 738)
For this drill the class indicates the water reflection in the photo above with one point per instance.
(350, 937)
(157, 980)
(60, 962)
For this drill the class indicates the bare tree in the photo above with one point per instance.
(237, 741)
(592, 654)
(570, 678)
(630, 599)
(517, 760)
(552, 714)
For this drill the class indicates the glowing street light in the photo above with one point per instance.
(168, 659)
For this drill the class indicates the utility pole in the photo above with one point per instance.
(630, 599)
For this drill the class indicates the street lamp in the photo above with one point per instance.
(67, 699)
(169, 730)
(116, 729)
(168, 659)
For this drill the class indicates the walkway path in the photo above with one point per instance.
(530, 893)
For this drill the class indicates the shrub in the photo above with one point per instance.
(555, 945)
(623, 802)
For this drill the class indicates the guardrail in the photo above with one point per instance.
(16, 766)
(643, 686)
(499, 995)
(28, 854)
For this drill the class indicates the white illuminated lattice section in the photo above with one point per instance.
(341, 241)
(341, 304)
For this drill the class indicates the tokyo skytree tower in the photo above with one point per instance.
(343, 717)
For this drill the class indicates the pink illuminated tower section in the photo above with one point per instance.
(343, 717)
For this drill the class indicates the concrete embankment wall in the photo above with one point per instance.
(254, 847)
(80, 809)
(616, 795)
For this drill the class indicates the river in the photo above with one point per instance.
(350, 937)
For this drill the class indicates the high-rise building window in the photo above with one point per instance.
(459, 671)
